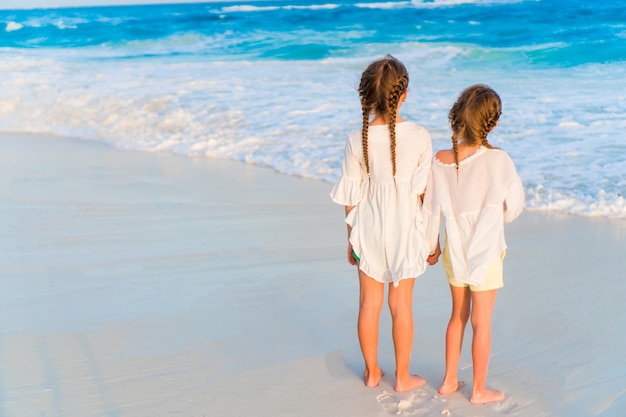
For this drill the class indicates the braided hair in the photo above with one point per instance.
(473, 116)
(382, 84)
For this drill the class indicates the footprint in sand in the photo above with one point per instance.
(506, 405)
(418, 403)
(389, 403)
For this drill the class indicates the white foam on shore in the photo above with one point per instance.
(296, 121)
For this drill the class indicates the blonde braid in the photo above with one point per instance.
(392, 106)
(455, 149)
(457, 126)
(364, 134)
(490, 123)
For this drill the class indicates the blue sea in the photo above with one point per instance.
(274, 82)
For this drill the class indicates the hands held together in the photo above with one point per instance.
(351, 260)
(432, 258)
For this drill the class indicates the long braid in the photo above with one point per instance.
(392, 106)
(382, 84)
(457, 126)
(455, 149)
(490, 122)
(392, 144)
(366, 116)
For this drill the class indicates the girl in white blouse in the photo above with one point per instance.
(385, 170)
(476, 188)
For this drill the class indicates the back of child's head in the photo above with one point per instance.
(474, 115)
(382, 84)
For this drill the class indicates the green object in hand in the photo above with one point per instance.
(355, 256)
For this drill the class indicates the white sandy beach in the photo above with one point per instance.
(140, 284)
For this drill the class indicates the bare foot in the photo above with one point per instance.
(412, 382)
(487, 396)
(374, 379)
(450, 387)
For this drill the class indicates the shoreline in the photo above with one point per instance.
(141, 283)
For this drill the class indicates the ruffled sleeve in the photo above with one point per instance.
(348, 190)
(431, 211)
(515, 195)
(421, 171)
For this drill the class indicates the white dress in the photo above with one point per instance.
(472, 202)
(388, 233)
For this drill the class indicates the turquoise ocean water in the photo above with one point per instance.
(273, 82)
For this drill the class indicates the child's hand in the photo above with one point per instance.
(351, 259)
(433, 258)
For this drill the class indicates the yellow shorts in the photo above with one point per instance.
(493, 280)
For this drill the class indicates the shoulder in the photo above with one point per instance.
(413, 128)
(445, 156)
(354, 142)
(416, 134)
(500, 155)
(356, 136)
(501, 159)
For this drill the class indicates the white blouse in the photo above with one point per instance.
(388, 233)
(476, 201)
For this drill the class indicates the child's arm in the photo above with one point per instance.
(351, 259)
(432, 219)
(348, 189)
(514, 202)
(434, 257)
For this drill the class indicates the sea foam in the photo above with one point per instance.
(222, 82)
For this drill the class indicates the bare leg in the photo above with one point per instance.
(370, 304)
(461, 299)
(401, 306)
(482, 307)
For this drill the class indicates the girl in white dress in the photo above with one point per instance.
(385, 170)
(476, 188)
